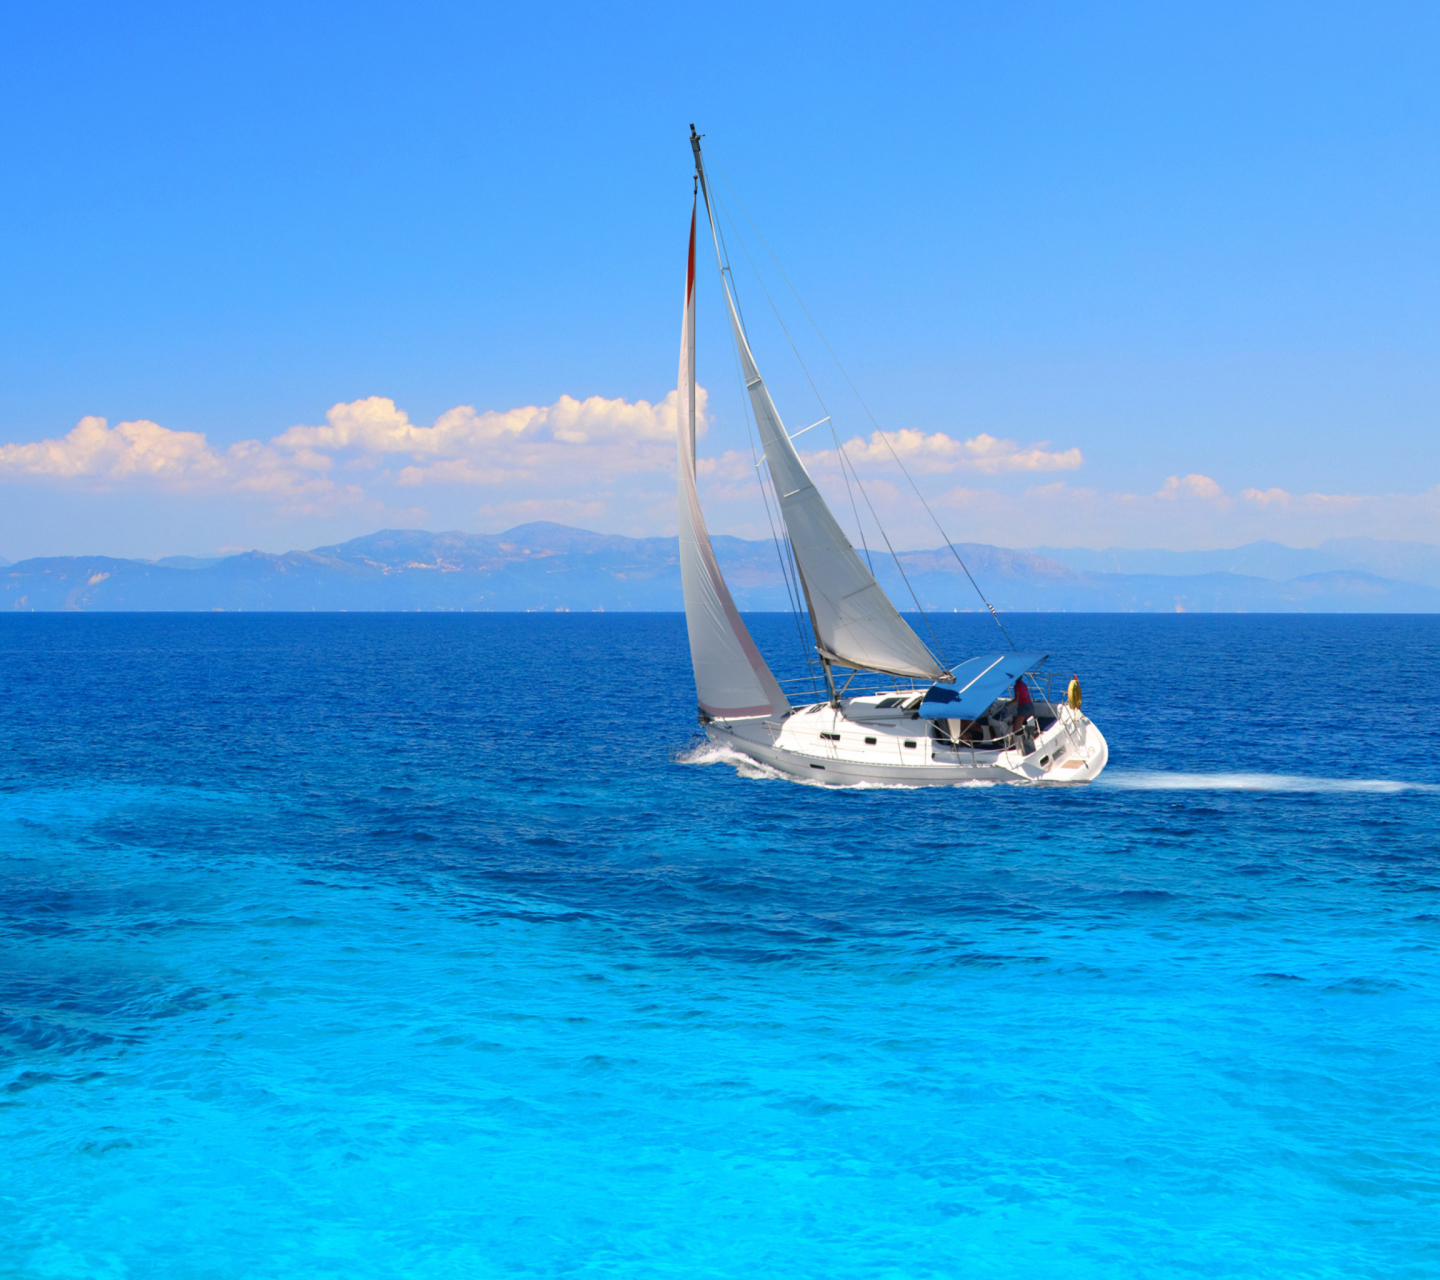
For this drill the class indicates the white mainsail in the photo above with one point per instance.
(731, 678)
(854, 620)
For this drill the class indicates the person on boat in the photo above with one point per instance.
(1022, 702)
(1072, 694)
(1024, 723)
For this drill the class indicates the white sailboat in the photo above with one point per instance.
(989, 719)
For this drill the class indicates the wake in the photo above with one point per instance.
(1138, 780)
(1155, 780)
(717, 753)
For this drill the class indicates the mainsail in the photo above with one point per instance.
(731, 678)
(855, 623)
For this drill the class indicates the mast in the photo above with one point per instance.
(853, 620)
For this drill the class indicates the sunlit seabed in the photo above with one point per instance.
(333, 948)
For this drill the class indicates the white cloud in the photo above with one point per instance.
(458, 471)
(374, 445)
(1180, 516)
(1191, 486)
(1266, 497)
(609, 464)
(375, 426)
(92, 449)
(941, 453)
(95, 455)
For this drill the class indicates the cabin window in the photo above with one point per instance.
(832, 737)
(913, 703)
(869, 742)
(888, 702)
(909, 742)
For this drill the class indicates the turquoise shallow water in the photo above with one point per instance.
(429, 946)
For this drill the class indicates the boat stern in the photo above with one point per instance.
(1079, 755)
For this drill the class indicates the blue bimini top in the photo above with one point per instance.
(978, 682)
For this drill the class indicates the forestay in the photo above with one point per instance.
(731, 678)
(854, 620)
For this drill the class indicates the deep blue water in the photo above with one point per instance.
(418, 946)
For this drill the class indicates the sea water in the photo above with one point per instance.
(437, 946)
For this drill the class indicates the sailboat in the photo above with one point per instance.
(988, 719)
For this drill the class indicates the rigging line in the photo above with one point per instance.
(844, 458)
(800, 359)
(792, 591)
(725, 269)
(834, 435)
(939, 648)
(934, 519)
(808, 651)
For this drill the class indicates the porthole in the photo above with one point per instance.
(869, 742)
(909, 742)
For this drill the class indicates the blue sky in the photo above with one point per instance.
(1194, 243)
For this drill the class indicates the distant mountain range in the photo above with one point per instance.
(1402, 561)
(546, 566)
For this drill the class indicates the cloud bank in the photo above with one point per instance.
(609, 464)
(596, 459)
(939, 453)
(364, 445)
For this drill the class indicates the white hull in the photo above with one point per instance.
(861, 742)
